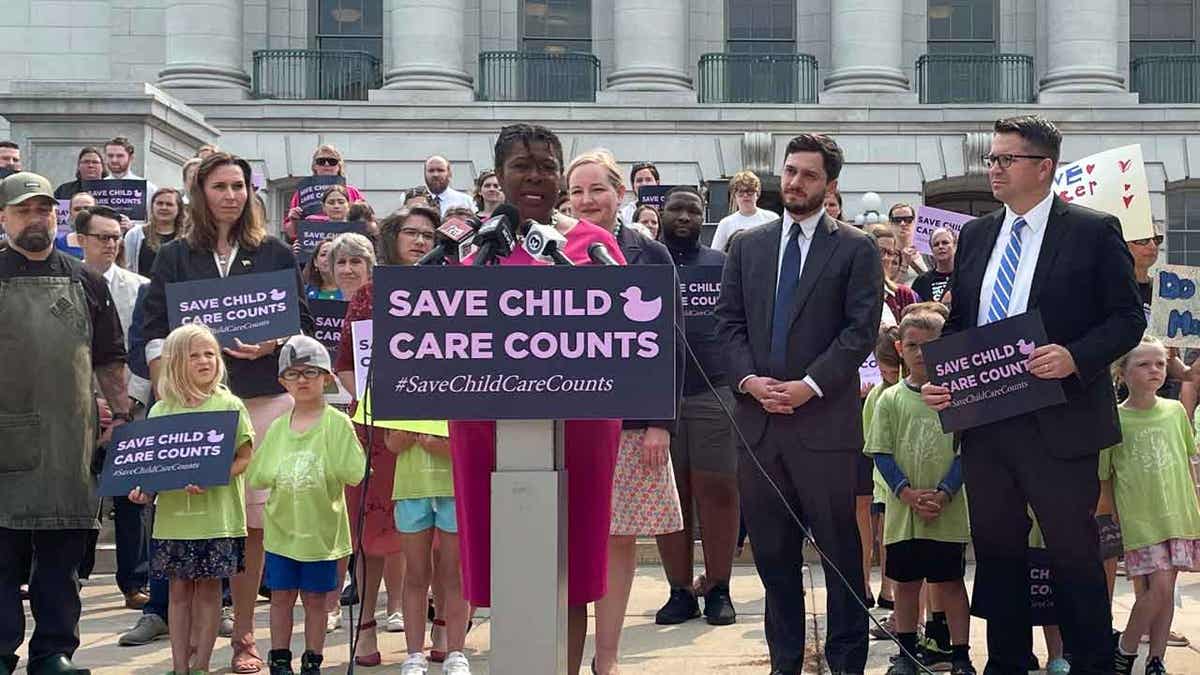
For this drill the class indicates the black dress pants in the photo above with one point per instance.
(53, 593)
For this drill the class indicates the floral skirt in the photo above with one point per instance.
(645, 501)
(1178, 554)
(198, 558)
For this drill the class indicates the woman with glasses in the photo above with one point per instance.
(227, 236)
(327, 161)
(745, 188)
(89, 166)
(405, 236)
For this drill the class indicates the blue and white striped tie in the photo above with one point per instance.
(1006, 275)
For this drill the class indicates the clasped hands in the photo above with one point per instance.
(927, 504)
(781, 398)
(1047, 362)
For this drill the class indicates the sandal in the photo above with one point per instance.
(245, 657)
(370, 660)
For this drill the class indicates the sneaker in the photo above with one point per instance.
(878, 633)
(280, 662)
(333, 620)
(456, 663)
(395, 623)
(149, 628)
(682, 606)
(226, 628)
(962, 668)
(718, 606)
(1058, 667)
(349, 595)
(1154, 666)
(415, 664)
(1123, 663)
(902, 666)
(933, 658)
(310, 663)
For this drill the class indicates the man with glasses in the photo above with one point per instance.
(746, 189)
(99, 230)
(1071, 264)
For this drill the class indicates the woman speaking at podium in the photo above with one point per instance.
(529, 164)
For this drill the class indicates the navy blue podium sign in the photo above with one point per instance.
(170, 453)
(517, 342)
(986, 369)
(249, 307)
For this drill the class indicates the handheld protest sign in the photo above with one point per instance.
(1113, 181)
(699, 290)
(987, 371)
(250, 307)
(65, 226)
(361, 332)
(170, 452)
(524, 342)
(330, 318)
(312, 191)
(868, 372)
(310, 233)
(930, 219)
(1175, 310)
(653, 195)
(122, 195)
(1041, 588)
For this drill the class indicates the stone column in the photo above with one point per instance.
(427, 47)
(1081, 53)
(650, 50)
(204, 47)
(867, 49)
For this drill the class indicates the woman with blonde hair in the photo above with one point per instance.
(326, 161)
(167, 215)
(227, 236)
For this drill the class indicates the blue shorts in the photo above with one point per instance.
(284, 574)
(418, 515)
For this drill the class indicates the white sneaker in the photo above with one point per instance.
(226, 627)
(333, 620)
(456, 663)
(416, 664)
(395, 623)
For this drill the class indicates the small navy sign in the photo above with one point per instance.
(312, 190)
(310, 233)
(122, 195)
(170, 453)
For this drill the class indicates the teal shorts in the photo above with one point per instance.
(418, 515)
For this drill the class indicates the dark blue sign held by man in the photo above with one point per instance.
(516, 342)
(250, 307)
(170, 453)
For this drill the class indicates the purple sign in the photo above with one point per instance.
(169, 453)
(65, 225)
(930, 219)
(524, 342)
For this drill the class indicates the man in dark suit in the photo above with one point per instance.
(1071, 264)
(800, 304)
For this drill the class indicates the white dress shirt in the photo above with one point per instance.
(451, 198)
(1031, 247)
(123, 285)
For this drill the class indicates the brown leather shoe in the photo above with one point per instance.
(136, 599)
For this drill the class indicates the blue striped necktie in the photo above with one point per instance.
(1006, 274)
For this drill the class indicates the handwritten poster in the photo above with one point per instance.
(1113, 181)
(1175, 311)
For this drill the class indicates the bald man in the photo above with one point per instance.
(437, 179)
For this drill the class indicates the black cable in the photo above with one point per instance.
(359, 556)
(825, 560)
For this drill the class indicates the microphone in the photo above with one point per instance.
(545, 242)
(495, 237)
(599, 254)
(451, 236)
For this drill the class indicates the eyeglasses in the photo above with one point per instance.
(1157, 240)
(1006, 160)
(106, 238)
(326, 161)
(745, 193)
(293, 374)
(417, 234)
(888, 253)
(896, 220)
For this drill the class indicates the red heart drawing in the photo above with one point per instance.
(1127, 186)
(1089, 167)
(1125, 164)
(1127, 198)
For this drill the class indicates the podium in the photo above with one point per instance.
(527, 346)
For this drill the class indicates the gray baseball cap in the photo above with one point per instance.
(300, 351)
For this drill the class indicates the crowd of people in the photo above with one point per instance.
(774, 436)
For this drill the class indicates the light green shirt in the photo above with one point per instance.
(421, 474)
(903, 426)
(307, 472)
(879, 495)
(220, 511)
(1152, 483)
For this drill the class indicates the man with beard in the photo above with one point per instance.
(62, 327)
(794, 341)
(702, 451)
(437, 179)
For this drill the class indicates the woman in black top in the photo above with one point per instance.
(89, 166)
(932, 285)
(226, 236)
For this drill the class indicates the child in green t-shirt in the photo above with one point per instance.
(888, 360)
(306, 459)
(200, 532)
(1155, 499)
(925, 526)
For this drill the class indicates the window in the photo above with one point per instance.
(1183, 226)
(350, 25)
(962, 27)
(557, 26)
(1160, 27)
(760, 26)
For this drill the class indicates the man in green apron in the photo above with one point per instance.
(59, 330)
